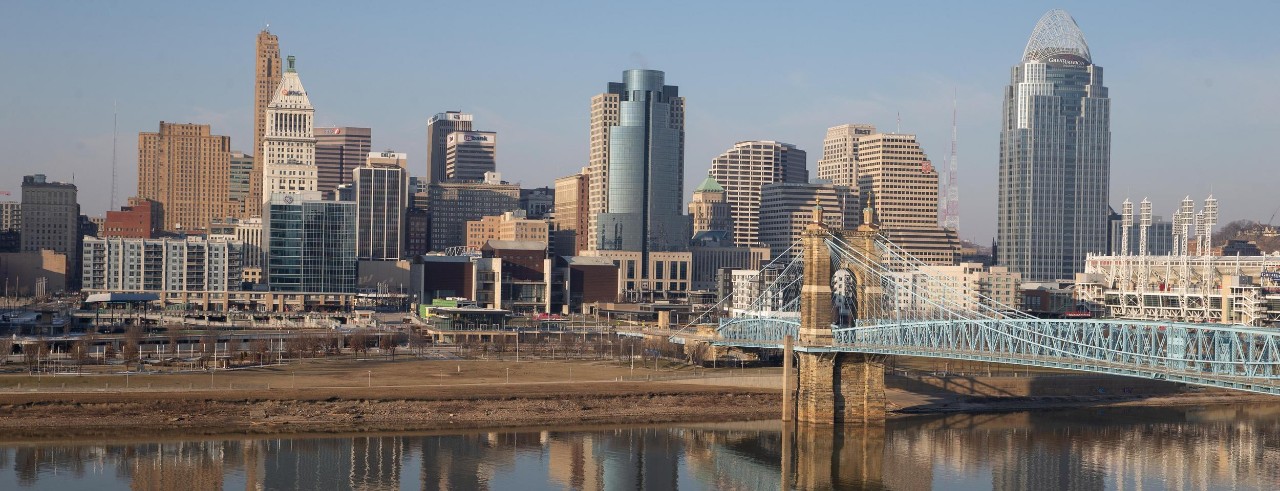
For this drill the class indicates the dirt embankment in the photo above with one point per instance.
(354, 394)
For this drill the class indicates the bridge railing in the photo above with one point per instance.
(1201, 350)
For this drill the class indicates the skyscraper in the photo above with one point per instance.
(644, 175)
(381, 198)
(338, 151)
(240, 180)
(288, 154)
(438, 129)
(787, 207)
(570, 217)
(468, 155)
(1055, 155)
(187, 169)
(743, 169)
(51, 220)
(266, 81)
(839, 163)
(893, 169)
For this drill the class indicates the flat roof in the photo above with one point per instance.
(121, 297)
(469, 310)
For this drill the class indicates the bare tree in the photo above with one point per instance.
(387, 344)
(132, 348)
(260, 347)
(358, 342)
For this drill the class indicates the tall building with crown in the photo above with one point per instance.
(288, 149)
(310, 243)
(267, 74)
(1055, 156)
(709, 209)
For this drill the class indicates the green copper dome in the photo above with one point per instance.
(709, 184)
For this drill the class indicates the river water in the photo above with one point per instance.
(1216, 447)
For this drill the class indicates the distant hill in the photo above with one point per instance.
(1267, 237)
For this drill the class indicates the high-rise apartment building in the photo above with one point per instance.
(191, 264)
(743, 169)
(439, 127)
(571, 214)
(1055, 156)
(382, 194)
(338, 151)
(839, 163)
(468, 155)
(289, 146)
(51, 220)
(187, 169)
(240, 178)
(787, 207)
(10, 215)
(266, 82)
(709, 210)
(644, 171)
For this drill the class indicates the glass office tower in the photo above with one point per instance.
(645, 210)
(1055, 156)
(312, 244)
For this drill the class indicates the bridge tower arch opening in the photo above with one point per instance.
(836, 388)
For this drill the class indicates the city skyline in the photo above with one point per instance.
(1147, 52)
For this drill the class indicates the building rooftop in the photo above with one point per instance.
(587, 261)
(709, 185)
(519, 245)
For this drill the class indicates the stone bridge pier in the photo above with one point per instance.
(834, 388)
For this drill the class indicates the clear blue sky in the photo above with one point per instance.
(1193, 85)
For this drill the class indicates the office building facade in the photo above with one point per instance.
(187, 169)
(339, 150)
(141, 219)
(509, 226)
(289, 145)
(787, 207)
(51, 219)
(381, 195)
(571, 216)
(239, 182)
(1055, 156)
(439, 127)
(645, 171)
(453, 204)
(743, 169)
(839, 162)
(311, 244)
(267, 75)
(468, 155)
(709, 210)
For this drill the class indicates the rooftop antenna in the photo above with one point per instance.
(951, 207)
(115, 125)
(899, 129)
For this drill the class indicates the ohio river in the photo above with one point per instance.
(1214, 447)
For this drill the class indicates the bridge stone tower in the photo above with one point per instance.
(836, 388)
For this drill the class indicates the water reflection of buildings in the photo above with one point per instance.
(1084, 450)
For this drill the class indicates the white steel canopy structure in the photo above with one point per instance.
(1056, 34)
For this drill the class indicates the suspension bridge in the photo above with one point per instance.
(841, 299)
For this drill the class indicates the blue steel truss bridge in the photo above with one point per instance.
(886, 302)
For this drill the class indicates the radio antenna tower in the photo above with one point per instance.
(951, 203)
(115, 118)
